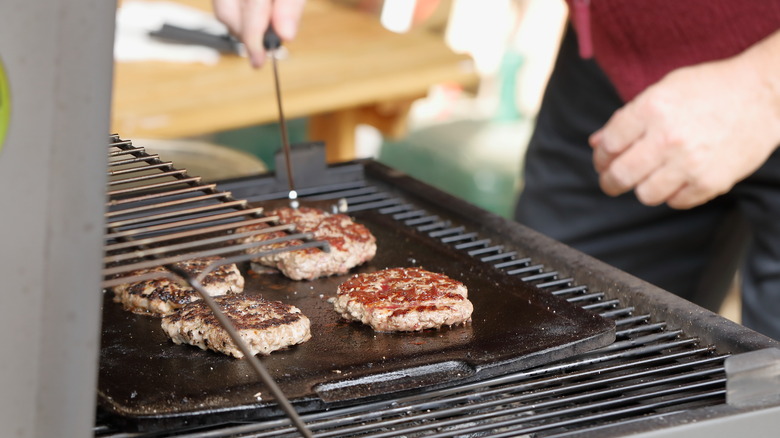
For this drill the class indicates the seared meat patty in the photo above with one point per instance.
(403, 299)
(351, 244)
(265, 326)
(161, 296)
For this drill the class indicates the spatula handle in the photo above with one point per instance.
(271, 40)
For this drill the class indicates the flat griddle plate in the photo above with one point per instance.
(147, 382)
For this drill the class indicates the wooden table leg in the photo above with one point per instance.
(388, 117)
(337, 129)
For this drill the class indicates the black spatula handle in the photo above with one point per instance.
(271, 40)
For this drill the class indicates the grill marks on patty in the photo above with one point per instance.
(351, 244)
(161, 296)
(265, 326)
(403, 299)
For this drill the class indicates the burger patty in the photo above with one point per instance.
(403, 299)
(265, 326)
(351, 244)
(161, 296)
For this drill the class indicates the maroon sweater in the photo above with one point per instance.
(637, 42)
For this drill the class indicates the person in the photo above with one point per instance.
(249, 19)
(659, 126)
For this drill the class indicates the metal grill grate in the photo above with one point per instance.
(653, 371)
(159, 215)
(649, 371)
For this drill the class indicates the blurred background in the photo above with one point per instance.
(466, 137)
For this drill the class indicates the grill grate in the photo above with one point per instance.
(159, 215)
(652, 371)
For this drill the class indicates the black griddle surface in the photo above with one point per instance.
(147, 382)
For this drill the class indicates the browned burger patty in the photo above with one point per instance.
(351, 244)
(265, 326)
(161, 296)
(403, 299)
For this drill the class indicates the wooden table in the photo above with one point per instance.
(343, 69)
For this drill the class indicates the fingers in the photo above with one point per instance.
(629, 157)
(254, 21)
(285, 17)
(249, 19)
(661, 186)
(601, 157)
(700, 191)
(623, 128)
(657, 177)
(628, 169)
(229, 13)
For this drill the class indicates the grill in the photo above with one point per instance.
(665, 369)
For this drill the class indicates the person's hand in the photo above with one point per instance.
(248, 20)
(694, 134)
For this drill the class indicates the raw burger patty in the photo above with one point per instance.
(161, 296)
(265, 326)
(403, 299)
(351, 244)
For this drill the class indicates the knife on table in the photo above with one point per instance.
(271, 43)
(182, 35)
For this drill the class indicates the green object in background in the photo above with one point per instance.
(264, 140)
(5, 105)
(475, 160)
(507, 103)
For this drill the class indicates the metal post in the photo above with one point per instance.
(57, 59)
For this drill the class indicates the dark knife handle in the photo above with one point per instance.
(223, 43)
(271, 40)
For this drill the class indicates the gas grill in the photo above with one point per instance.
(663, 374)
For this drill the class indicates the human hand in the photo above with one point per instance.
(691, 136)
(248, 20)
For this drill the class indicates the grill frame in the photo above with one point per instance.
(633, 303)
